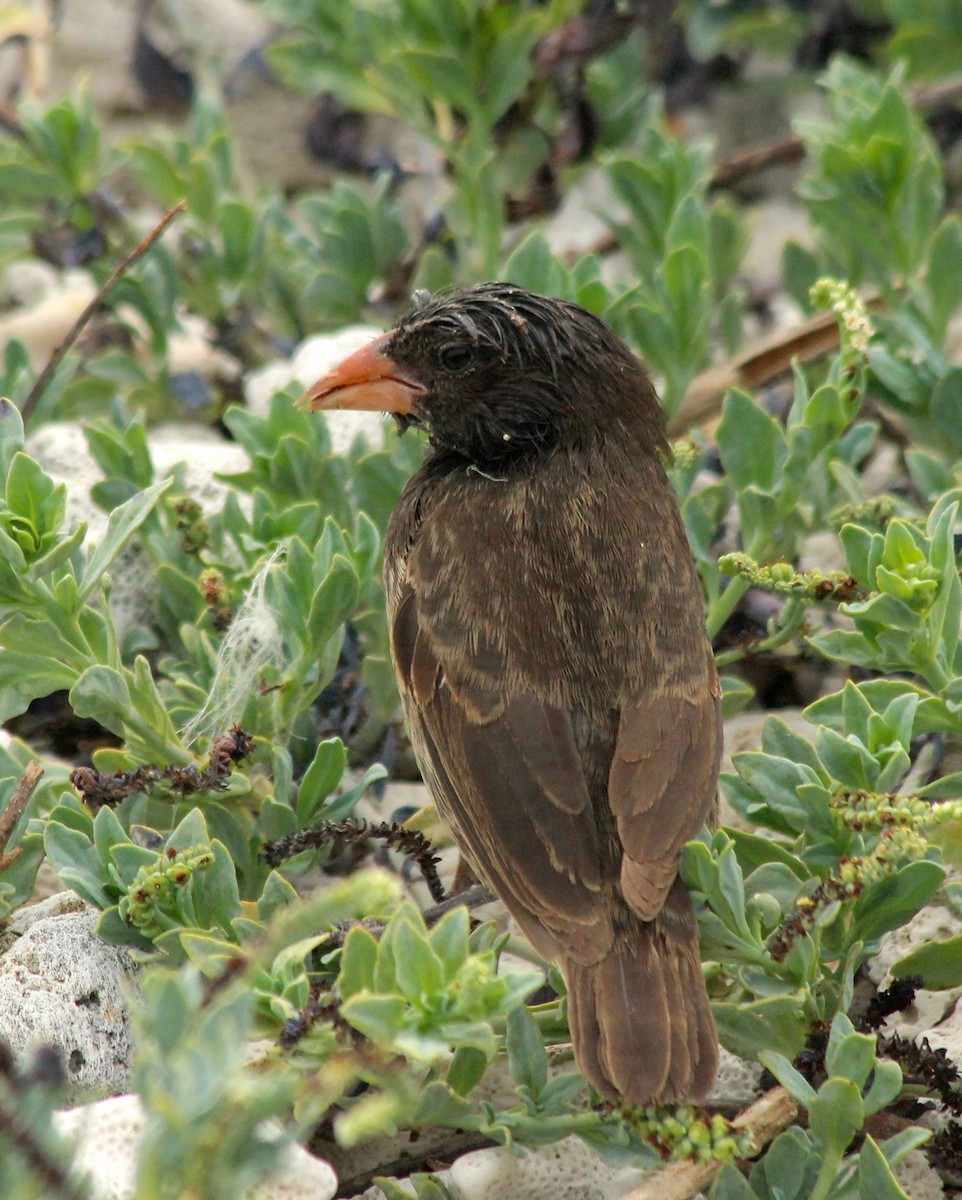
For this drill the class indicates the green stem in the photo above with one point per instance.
(790, 621)
(721, 609)
(934, 676)
(826, 1177)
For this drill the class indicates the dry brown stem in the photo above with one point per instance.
(15, 810)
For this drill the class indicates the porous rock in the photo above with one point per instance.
(738, 1082)
(57, 905)
(62, 986)
(108, 1140)
(917, 1179)
(566, 1170)
(931, 1012)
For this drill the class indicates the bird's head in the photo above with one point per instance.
(496, 374)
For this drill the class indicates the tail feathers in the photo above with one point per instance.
(640, 1019)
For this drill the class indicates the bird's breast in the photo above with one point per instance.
(575, 585)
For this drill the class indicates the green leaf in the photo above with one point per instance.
(793, 1081)
(211, 955)
(944, 276)
(58, 554)
(533, 265)
(467, 1069)
(26, 677)
(846, 759)
(788, 1169)
(800, 271)
(380, 1018)
(28, 487)
(11, 434)
(946, 406)
(861, 546)
(777, 781)
(875, 1178)
(836, 1115)
(779, 739)
(333, 601)
(931, 714)
(886, 1086)
(320, 779)
(440, 1105)
(102, 693)
(121, 525)
(276, 820)
(449, 940)
(826, 416)
(897, 1147)
(939, 963)
(77, 863)
(774, 1024)
(357, 963)
(109, 834)
(276, 894)
(526, 1053)
(736, 694)
(750, 442)
(849, 1054)
(417, 968)
(219, 889)
(891, 901)
(754, 850)
(731, 1184)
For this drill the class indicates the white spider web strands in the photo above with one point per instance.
(254, 642)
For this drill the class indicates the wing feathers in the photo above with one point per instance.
(662, 787)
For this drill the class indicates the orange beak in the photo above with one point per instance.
(367, 379)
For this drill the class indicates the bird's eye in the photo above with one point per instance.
(455, 356)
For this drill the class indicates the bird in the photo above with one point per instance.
(547, 630)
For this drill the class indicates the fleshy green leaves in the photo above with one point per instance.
(808, 1162)
(910, 620)
(420, 991)
(873, 166)
(149, 896)
(684, 250)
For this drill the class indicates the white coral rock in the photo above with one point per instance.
(567, 1170)
(933, 924)
(917, 1179)
(61, 985)
(108, 1140)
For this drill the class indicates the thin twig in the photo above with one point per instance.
(792, 149)
(45, 376)
(100, 790)
(15, 810)
(22, 1139)
(474, 897)
(409, 841)
(743, 165)
(763, 1120)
